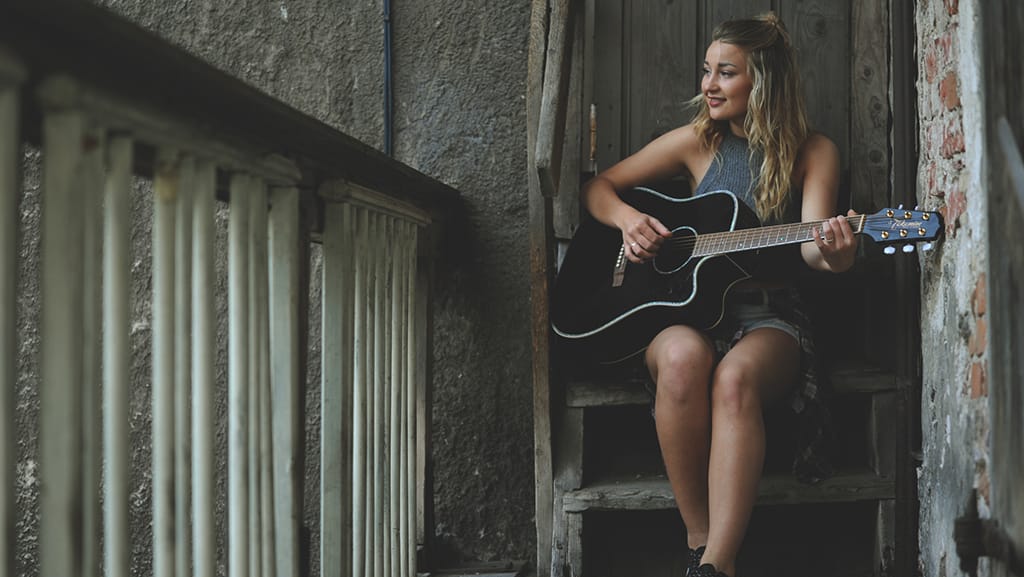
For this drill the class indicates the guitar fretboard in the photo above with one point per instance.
(764, 237)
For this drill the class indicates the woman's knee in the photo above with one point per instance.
(682, 365)
(734, 390)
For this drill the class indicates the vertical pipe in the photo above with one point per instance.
(183, 368)
(257, 210)
(116, 352)
(336, 398)
(203, 355)
(238, 378)
(91, 180)
(359, 399)
(165, 188)
(60, 441)
(285, 376)
(11, 76)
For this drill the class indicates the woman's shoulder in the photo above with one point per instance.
(818, 143)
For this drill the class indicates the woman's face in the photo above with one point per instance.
(727, 84)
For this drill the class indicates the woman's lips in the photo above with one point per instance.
(715, 102)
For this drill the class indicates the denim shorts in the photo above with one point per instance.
(750, 309)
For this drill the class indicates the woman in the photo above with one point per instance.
(749, 136)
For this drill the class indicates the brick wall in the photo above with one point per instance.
(954, 329)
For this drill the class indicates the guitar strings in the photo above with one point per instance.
(803, 229)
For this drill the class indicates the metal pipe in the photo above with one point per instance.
(285, 378)
(203, 356)
(165, 188)
(183, 367)
(388, 96)
(61, 353)
(116, 352)
(238, 378)
(91, 184)
(257, 211)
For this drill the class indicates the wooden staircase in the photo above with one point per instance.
(607, 465)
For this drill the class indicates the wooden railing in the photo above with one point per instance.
(106, 102)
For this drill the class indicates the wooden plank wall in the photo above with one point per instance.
(646, 62)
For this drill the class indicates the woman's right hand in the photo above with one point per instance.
(642, 235)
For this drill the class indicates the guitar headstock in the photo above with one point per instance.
(902, 226)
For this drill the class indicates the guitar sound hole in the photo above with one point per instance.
(676, 251)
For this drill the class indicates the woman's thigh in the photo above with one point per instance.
(768, 358)
(680, 348)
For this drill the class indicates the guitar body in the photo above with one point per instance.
(597, 321)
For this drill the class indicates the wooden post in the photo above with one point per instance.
(541, 244)
(11, 75)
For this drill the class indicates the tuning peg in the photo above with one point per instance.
(908, 248)
(927, 246)
(889, 250)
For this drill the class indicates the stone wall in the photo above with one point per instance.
(954, 343)
(459, 73)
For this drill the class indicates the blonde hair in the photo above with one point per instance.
(776, 122)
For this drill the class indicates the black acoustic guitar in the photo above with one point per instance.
(606, 309)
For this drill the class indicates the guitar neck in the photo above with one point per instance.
(764, 237)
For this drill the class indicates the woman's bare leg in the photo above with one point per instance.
(680, 361)
(760, 368)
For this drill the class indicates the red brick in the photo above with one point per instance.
(956, 204)
(931, 65)
(979, 388)
(979, 300)
(979, 338)
(952, 138)
(949, 91)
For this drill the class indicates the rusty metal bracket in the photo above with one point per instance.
(976, 538)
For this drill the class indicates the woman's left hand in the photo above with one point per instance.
(837, 242)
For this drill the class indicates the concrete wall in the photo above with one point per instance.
(954, 335)
(459, 85)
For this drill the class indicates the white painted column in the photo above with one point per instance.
(183, 368)
(386, 258)
(238, 378)
(377, 254)
(116, 353)
(285, 376)
(204, 346)
(11, 75)
(60, 448)
(257, 262)
(397, 419)
(91, 184)
(339, 353)
(361, 385)
(414, 377)
(266, 454)
(165, 192)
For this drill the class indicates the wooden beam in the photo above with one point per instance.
(540, 263)
(554, 96)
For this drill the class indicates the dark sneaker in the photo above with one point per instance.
(708, 570)
(693, 561)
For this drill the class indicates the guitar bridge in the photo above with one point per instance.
(620, 268)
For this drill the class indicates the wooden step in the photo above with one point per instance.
(654, 493)
(846, 380)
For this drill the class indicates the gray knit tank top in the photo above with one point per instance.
(733, 169)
